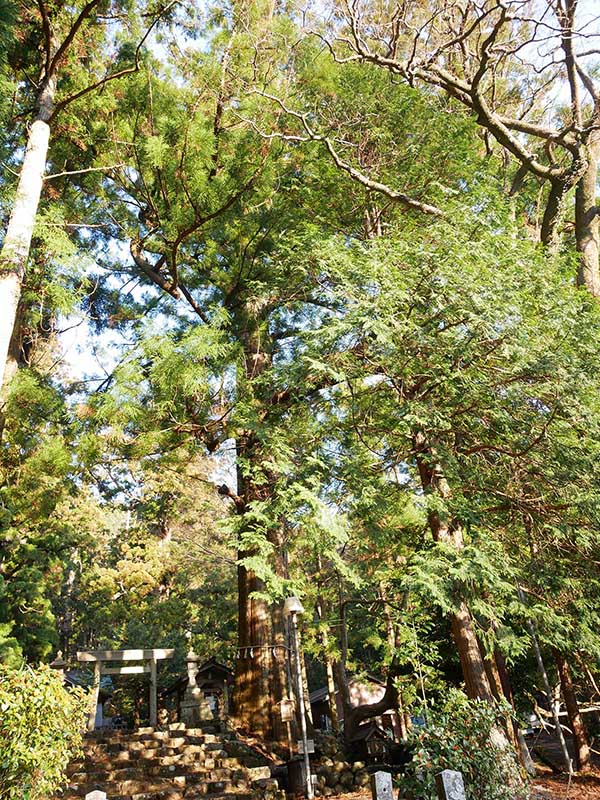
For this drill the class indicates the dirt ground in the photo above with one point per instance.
(547, 786)
(556, 787)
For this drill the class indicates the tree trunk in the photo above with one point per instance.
(333, 715)
(331, 694)
(354, 716)
(260, 672)
(463, 631)
(547, 689)
(401, 723)
(586, 219)
(17, 242)
(260, 669)
(258, 683)
(580, 739)
(523, 750)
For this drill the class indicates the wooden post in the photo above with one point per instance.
(153, 694)
(94, 697)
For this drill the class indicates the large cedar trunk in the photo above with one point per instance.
(17, 242)
(581, 743)
(261, 669)
(260, 674)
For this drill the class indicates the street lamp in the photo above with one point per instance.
(292, 607)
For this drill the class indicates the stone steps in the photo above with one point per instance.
(171, 764)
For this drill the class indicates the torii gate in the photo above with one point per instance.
(99, 659)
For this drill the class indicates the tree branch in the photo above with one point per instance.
(356, 175)
(82, 171)
(120, 73)
(85, 12)
(47, 36)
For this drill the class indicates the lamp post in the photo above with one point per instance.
(292, 607)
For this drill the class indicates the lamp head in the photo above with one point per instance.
(293, 605)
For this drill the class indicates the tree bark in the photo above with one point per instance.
(586, 219)
(17, 242)
(260, 669)
(580, 738)
(260, 673)
(331, 690)
(355, 715)
(449, 532)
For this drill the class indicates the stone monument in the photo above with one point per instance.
(381, 786)
(195, 708)
(450, 785)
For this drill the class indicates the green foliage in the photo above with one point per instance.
(41, 725)
(37, 472)
(317, 345)
(462, 735)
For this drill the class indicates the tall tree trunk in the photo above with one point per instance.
(401, 724)
(17, 242)
(447, 532)
(580, 738)
(586, 219)
(331, 693)
(260, 669)
(331, 690)
(260, 674)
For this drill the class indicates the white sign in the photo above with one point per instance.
(309, 742)
(287, 710)
(96, 795)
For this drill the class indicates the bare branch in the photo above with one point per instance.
(82, 171)
(152, 271)
(356, 175)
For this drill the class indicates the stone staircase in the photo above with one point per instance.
(175, 763)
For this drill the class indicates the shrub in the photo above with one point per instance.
(460, 736)
(41, 726)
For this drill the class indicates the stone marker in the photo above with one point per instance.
(96, 795)
(450, 785)
(381, 786)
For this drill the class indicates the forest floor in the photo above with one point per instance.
(547, 786)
